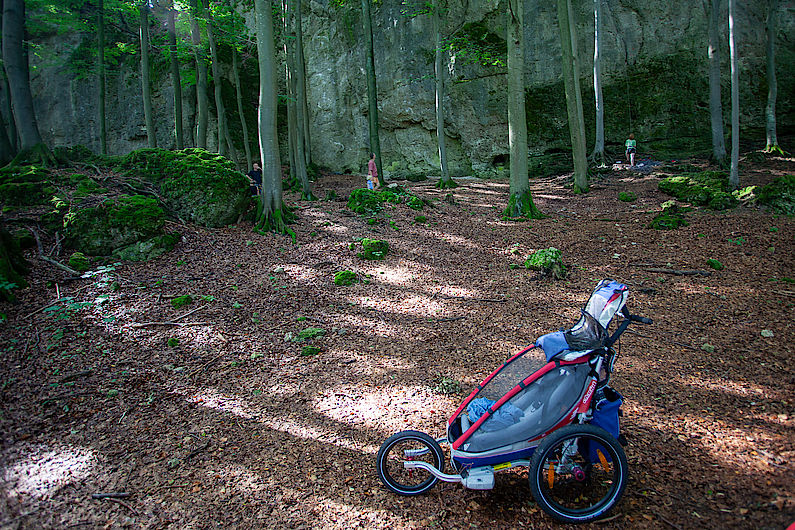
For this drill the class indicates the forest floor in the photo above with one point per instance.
(207, 417)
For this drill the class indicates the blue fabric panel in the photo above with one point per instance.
(552, 344)
(503, 417)
(606, 417)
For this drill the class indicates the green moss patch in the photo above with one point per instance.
(309, 334)
(374, 249)
(707, 188)
(79, 262)
(181, 301)
(670, 218)
(715, 264)
(345, 277)
(779, 195)
(24, 186)
(627, 196)
(308, 351)
(548, 261)
(368, 202)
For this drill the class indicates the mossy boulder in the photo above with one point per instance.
(670, 218)
(148, 249)
(779, 195)
(549, 261)
(113, 224)
(374, 249)
(707, 188)
(345, 277)
(24, 186)
(198, 186)
(364, 201)
(79, 262)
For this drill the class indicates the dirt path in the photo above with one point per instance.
(229, 426)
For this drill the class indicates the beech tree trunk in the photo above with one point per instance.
(103, 131)
(712, 10)
(520, 202)
(571, 77)
(16, 67)
(223, 149)
(145, 88)
(300, 69)
(239, 97)
(272, 212)
(175, 77)
(202, 102)
(598, 154)
(772, 87)
(372, 93)
(294, 76)
(734, 177)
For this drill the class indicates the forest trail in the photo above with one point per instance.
(215, 419)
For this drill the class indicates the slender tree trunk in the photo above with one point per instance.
(146, 89)
(239, 96)
(219, 102)
(372, 93)
(13, 134)
(571, 76)
(734, 176)
(598, 155)
(439, 70)
(712, 10)
(16, 67)
(272, 212)
(290, 104)
(103, 133)
(772, 87)
(520, 202)
(296, 124)
(202, 102)
(175, 77)
(300, 67)
(7, 142)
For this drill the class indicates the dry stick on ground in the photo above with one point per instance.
(680, 273)
(119, 501)
(205, 365)
(174, 322)
(113, 495)
(663, 519)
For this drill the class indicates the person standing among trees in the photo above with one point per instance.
(372, 173)
(630, 153)
(255, 177)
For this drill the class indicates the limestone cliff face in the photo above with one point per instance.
(654, 77)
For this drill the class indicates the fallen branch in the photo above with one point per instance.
(205, 365)
(449, 319)
(190, 312)
(663, 519)
(680, 273)
(76, 375)
(50, 260)
(114, 495)
(176, 324)
(196, 451)
(118, 501)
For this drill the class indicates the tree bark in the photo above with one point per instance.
(175, 76)
(571, 77)
(598, 154)
(272, 212)
(520, 202)
(103, 132)
(372, 93)
(219, 102)
(772, 88)
(145, 88)
(712, 9)
(300, 67)
(444, 181)
(202, 102)
(16, 68)
(239, 96)
(294, 76)
(734, 177)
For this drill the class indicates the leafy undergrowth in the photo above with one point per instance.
(214, 411)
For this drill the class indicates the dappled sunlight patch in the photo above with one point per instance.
(303, 273)
(212, 399)
(237, 406)
(392, 408)
(36, 471)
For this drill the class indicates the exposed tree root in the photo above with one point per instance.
(522, 205)
(446, 184)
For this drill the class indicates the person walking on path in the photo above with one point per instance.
(630, 154)
(372, 173)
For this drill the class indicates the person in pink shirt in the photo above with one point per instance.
(372, 173)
